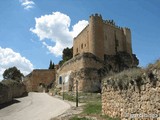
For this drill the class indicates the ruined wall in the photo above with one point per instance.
(37, 77)
(131, 95)
(10, 89)
(80, 43)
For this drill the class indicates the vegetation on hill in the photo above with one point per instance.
(156, 65)
(67, 54)
(134, 76)
(13, 73)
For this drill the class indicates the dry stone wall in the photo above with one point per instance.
(10, 89)
(135, 96)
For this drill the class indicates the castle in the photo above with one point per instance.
(102, 37)
(99, 48)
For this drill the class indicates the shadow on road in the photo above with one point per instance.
(8, 103)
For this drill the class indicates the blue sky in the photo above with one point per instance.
(33, 32)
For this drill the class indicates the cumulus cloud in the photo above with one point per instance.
(9, 58)
(55, 27)
(27, 4)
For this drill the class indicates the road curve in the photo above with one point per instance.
(36, 106)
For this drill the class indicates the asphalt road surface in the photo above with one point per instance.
(36, 106)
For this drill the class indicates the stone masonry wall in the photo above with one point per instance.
(84, 68)
(39, 77)
(132, 96)
(81, 42)
(89, 80)
(10, 89)
(85, 60)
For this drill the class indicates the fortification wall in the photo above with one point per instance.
(102, 37)
(133, 97)
(80, 43)
(84, 68)
(115, 40)
(84, 60)
(37, 77)
(127, 33)
(96, 36)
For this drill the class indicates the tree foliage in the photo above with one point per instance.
(67, 54)
(51, 65)
(13, 73)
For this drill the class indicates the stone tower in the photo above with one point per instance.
(96, 36)
(127, 33)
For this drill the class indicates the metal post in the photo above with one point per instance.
(76, 93)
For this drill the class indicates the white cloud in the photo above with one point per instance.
(9, 58)
(77, 28)
(55, 27)
(27, 4)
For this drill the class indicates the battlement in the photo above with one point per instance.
(96, 15)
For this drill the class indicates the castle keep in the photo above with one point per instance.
(99, 48)
(102, 37)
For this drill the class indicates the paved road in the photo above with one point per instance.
(36, 106)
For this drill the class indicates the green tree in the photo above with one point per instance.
(13, 73)
(51, 65)
(67, 54)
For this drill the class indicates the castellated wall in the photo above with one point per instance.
(137, 97)
(102, 37)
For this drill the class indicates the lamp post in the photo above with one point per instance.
(76, 93)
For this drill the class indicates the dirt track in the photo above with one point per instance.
(36, 106)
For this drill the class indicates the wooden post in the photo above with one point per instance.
(76, 93)
(63, 89)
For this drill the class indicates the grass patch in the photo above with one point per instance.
(106, 117)
(93, 108)
(78, 118)
(82, 97)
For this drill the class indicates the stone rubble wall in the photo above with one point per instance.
(10, 89)
(140, 96)
(88, 80)
(39, 77)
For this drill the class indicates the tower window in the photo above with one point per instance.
(77, 50)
